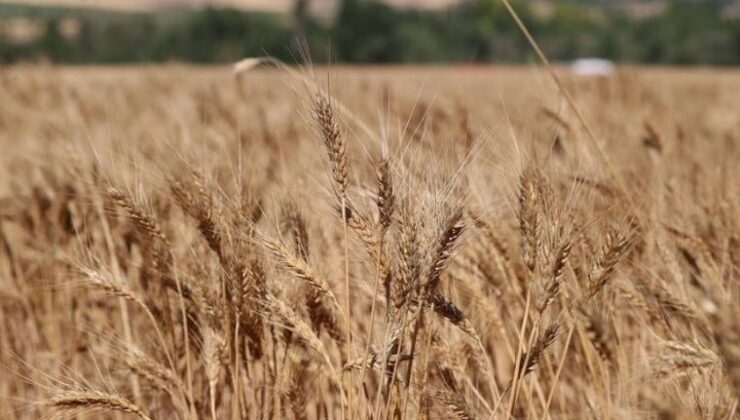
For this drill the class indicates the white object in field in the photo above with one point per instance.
(592, 67)
(247, 64)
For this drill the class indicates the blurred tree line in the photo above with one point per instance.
(684, 32)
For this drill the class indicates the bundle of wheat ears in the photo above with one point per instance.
(193, 243)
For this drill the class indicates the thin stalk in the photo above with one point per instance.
(517, 363)
(369, 338)
(186, 337)
(237, 409)
(561, 363)
(348, 298)
(129, 339)
(571, 103)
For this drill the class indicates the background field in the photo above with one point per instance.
(499, 240)
(372, 31)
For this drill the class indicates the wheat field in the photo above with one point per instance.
(368, 242)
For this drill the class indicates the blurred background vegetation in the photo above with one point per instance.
(369, 31)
